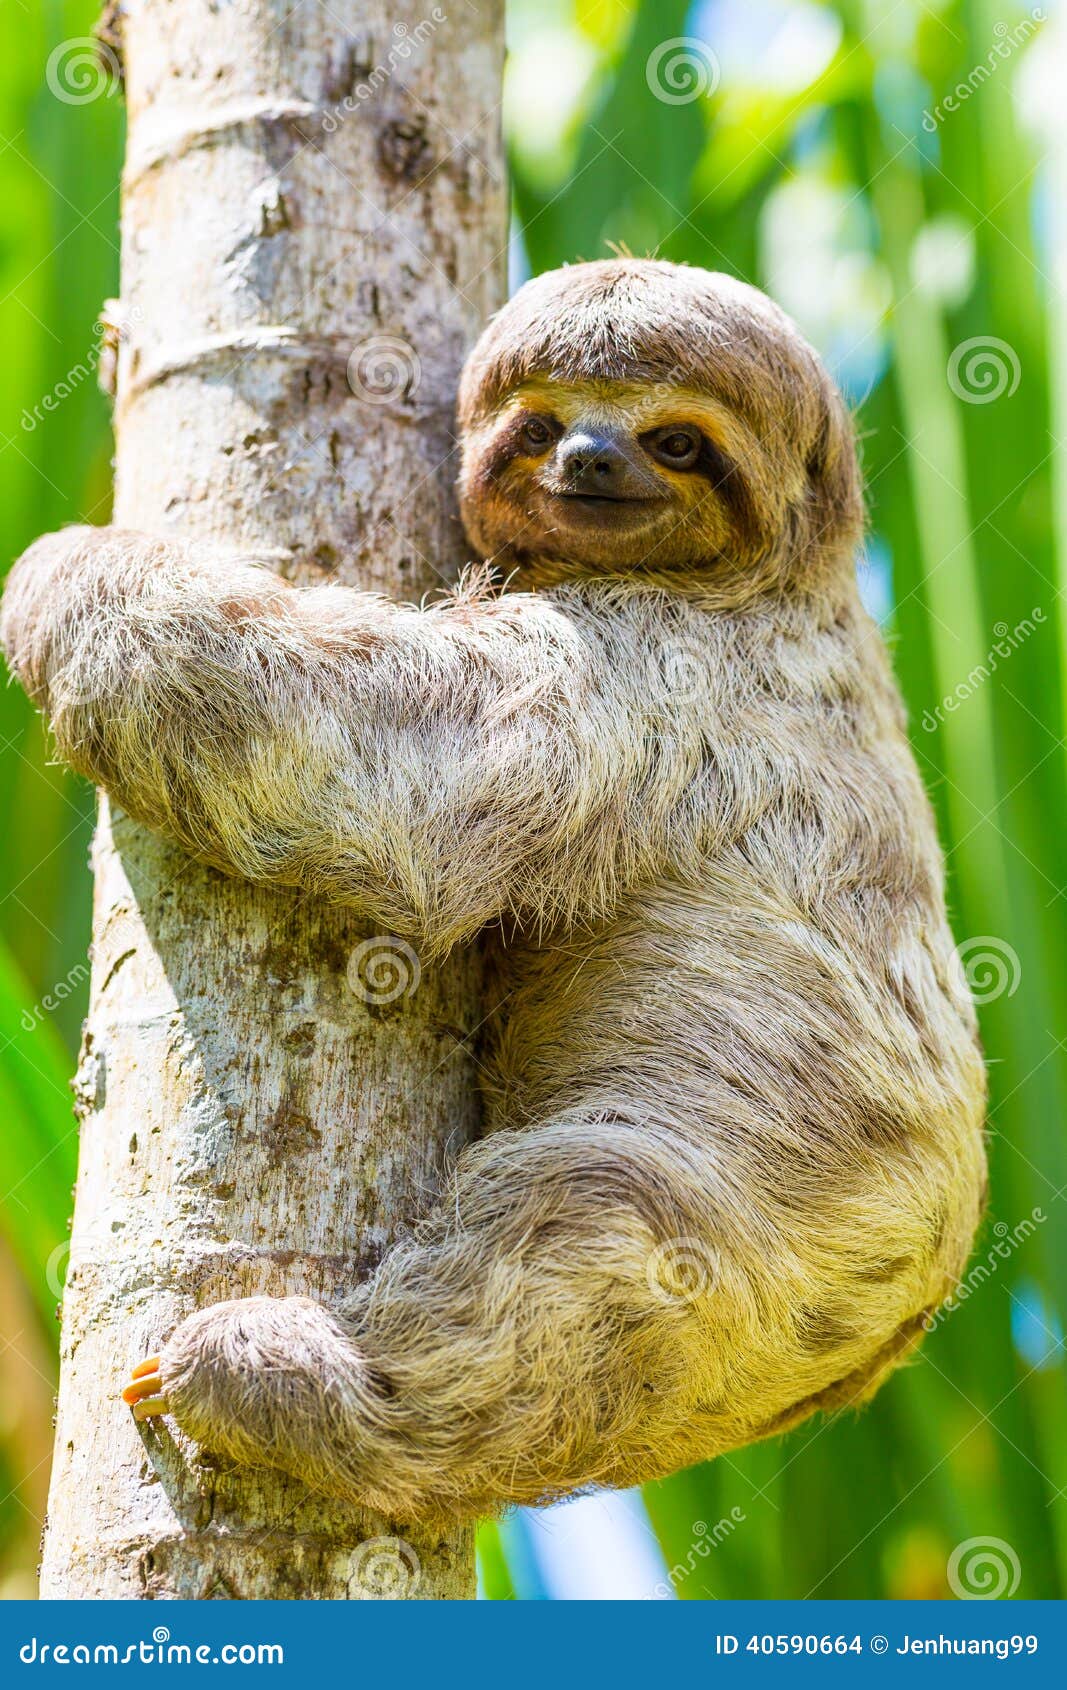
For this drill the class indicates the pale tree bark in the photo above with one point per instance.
(313, 232)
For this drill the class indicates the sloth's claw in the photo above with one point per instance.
(149, 1407)
(145, 1392)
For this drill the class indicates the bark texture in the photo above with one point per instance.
(313, 233)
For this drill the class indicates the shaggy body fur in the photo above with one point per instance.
(734, 1149)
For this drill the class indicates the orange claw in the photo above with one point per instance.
(145, 1392)
(151, 1405)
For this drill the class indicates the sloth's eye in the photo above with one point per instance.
(678, 448)
(537, 433)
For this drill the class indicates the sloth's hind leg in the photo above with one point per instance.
(545, 1328)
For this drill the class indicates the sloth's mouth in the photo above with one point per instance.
(603, 503)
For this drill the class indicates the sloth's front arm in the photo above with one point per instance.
(436, 768)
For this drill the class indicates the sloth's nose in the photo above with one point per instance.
(592, 462)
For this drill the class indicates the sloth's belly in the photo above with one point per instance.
(697, 999)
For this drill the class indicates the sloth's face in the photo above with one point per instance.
(630, 415)
(611, 477)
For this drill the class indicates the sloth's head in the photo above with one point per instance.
(633, 416)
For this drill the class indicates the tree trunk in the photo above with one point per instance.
(313, 229)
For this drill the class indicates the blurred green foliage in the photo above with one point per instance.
(895, 176)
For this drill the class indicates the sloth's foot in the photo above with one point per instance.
(145, 1394)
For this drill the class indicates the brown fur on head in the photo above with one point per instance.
(634, 415)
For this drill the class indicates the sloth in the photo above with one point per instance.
(655, 763)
